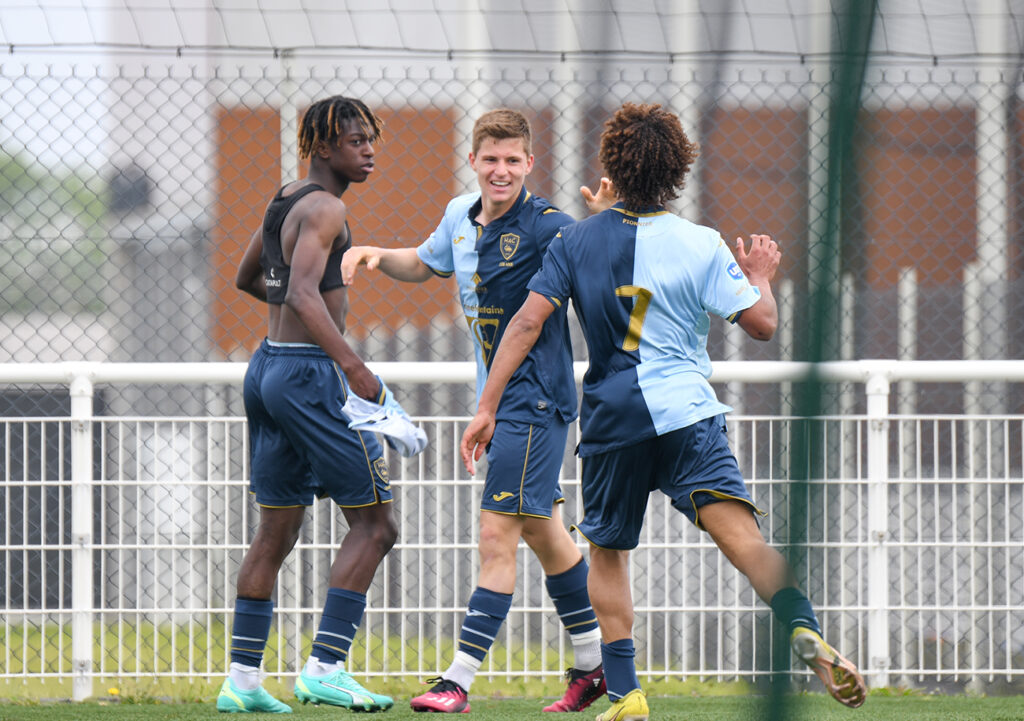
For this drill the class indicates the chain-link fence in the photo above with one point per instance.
(131, 181)
(130, 189)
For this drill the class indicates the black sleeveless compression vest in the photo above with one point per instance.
(275, 270)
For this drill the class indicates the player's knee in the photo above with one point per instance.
(276, 541)
(496, 556)
(373, 529)
(495, 540)
(385, 535)
(750, 553)
(544, 533)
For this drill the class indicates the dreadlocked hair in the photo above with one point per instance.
(646, 155)
(326, 121)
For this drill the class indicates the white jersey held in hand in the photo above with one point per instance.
(389, 419)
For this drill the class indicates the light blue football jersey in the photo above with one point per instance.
(643, 285)
(492, 265)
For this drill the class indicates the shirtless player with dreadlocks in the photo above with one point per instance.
(300, 443)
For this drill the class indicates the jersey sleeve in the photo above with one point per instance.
(727, 291)
(436, 250)
(549, 223)
(553, 279)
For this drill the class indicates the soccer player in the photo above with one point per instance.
(643, 282)
(301, 446)
(493, 241)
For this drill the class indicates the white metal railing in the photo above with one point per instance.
(170, 500)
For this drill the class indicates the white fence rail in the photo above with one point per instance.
(123, 535)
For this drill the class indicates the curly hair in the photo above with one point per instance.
(502, 124)
(646, 155)
(327, 120)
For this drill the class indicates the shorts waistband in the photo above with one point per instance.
(300, 350)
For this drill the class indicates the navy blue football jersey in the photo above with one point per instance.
(492, 265)
(642, 285)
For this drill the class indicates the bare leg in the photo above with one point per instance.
(550, 541)
(499, 537)
(275, 537)
(488, 607)
(274, 540)
(610, 593)
(612, 599)
(732, 527)
(371, 534)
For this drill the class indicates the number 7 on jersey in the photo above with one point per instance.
(636, 316)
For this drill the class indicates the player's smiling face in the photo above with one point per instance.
(501, 168)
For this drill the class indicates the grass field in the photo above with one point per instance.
(879, 707)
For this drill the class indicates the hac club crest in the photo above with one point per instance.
(509, 245)
(380, 466)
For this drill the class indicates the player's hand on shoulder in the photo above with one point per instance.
(354, 257)
(762, 260)
(604, 199)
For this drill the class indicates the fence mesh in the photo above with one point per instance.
(133, 258)
(140, 144)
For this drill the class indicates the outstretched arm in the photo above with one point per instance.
(518, 339)
(398, 263)
(759, 265)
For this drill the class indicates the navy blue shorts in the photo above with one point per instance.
(301, 447)
(523, 465)
(693, 466)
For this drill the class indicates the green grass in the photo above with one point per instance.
(142, 648)
(879, 707)
(165, 698)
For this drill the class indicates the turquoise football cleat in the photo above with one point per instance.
(339, 689)
(235, 700)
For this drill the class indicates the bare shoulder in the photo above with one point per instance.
(323, 209)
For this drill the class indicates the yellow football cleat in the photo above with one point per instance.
(841, 678)
(631, 707)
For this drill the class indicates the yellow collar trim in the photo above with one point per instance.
(639, 215)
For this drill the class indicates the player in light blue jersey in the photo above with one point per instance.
(493, 242)
(643, 283)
